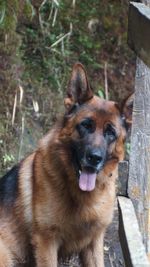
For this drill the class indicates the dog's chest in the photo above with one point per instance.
(76, 236)
(79, 228)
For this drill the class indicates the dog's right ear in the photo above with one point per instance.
(127, 108)
(79, 90)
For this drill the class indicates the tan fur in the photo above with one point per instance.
(51, 214)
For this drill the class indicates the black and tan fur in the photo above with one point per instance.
(50, 203)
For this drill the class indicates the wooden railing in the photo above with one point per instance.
(134, 210)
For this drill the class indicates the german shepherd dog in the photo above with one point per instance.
(60, 198)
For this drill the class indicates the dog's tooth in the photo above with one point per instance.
(79, 171)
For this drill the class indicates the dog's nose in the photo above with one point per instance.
(94, 158)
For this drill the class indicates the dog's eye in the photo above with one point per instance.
(86, 126)
(110, 133)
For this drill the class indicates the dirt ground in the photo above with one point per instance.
(112, 248)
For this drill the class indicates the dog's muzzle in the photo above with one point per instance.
(91, 163)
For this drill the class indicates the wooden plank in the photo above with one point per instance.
(139, 167)
(130, 237)
(139, 30)
(122, 182)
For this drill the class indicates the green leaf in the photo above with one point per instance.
(29, 9)
(101, 93)
(128, 148)
(2, 12)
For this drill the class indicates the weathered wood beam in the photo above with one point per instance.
(139, 30)
(130, 236)
(122, 182)
(139, 167)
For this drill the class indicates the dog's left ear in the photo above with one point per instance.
(79, 90)
(127, 109)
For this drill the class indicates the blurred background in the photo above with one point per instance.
(39, 43)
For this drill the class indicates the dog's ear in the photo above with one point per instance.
(79, 90)
(127, 109)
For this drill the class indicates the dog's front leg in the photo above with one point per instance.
(93, 255)
(45, 251)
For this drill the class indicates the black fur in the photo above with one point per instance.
(9, 187)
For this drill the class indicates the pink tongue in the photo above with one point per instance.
(87, 181)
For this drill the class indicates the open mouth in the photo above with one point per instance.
(87, 169)
(87, 179)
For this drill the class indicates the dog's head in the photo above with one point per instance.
(95, 128)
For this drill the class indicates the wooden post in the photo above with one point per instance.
(139, 168)
(130, 237)
(139, 30)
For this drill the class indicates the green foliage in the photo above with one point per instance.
(128, 148)
(2, 11)
(65, 34)
(9, 12)
(8, 16)
(28, 10)
(42, 57)
(101, 93)
(8, 159)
